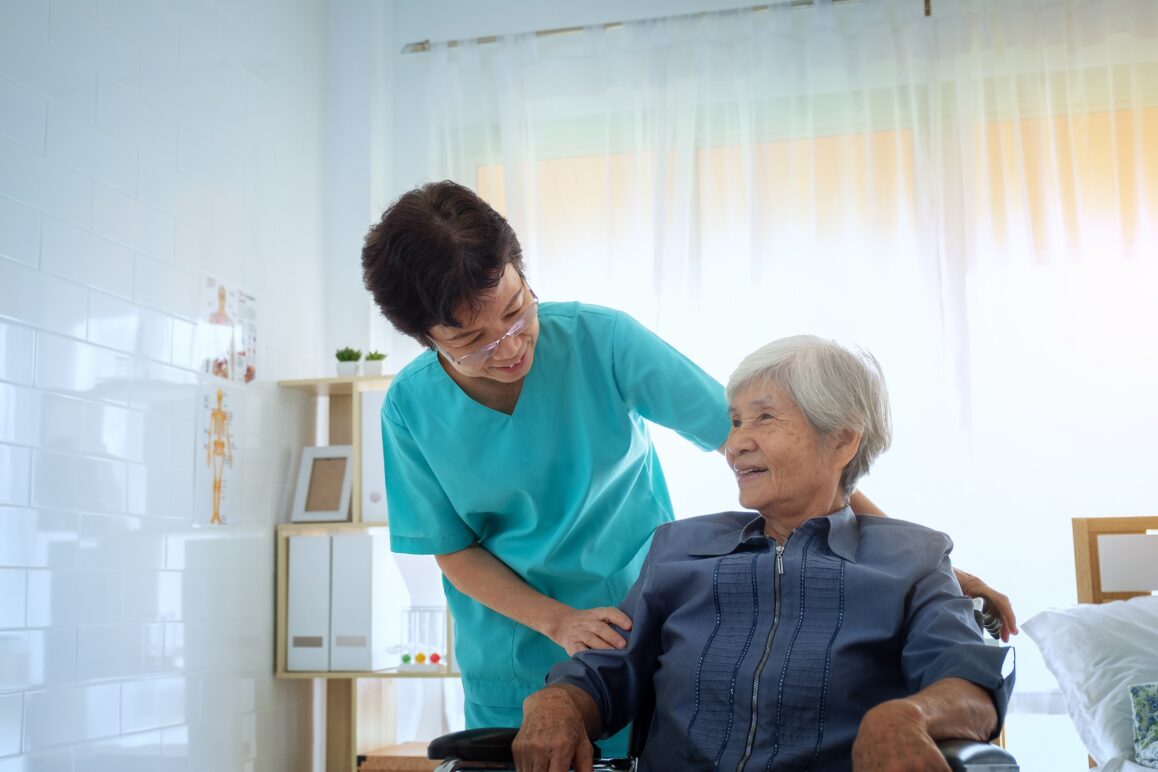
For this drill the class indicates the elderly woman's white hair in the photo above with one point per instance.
(835, 388)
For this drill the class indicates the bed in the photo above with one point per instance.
(1104, 650)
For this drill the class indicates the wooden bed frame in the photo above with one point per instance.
(1121, 538)
(1130, 569)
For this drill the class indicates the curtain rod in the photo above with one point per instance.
(423, 46)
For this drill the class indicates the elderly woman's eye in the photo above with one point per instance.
(765, 417)
(735, 423)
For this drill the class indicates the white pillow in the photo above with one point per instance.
(1096, 651)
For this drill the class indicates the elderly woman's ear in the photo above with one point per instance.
(846, 442)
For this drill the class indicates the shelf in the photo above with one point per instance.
(344, 526)
(393, 673)
(342, 387)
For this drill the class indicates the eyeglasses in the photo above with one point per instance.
(484, 353)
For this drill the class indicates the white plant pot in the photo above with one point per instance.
(347, 369)
(373, 366)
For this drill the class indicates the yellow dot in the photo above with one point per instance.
(420, 658)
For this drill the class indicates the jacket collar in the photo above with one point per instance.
(842, 528)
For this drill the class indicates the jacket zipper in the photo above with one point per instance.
(764, 658)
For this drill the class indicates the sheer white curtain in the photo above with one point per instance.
(972, 196)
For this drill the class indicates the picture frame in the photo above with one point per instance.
(325, 480)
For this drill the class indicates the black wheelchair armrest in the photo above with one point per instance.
(493, 745)
(976, 756)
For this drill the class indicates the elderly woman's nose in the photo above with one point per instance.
(738, 441)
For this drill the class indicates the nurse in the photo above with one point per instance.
(515, 446)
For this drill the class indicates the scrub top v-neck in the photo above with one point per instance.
(566, 490)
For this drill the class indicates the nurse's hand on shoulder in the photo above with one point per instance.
(591, 628)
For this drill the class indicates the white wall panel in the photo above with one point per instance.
(19, 230)
(142, 147)
(70, 598)
(42, 300)
(119, 651)
(124, 114)
(85, 258)
(135, 545)
(38, 538)
(127, 221)
(19, 414)
(32, 15)
(46, 70)
(70, 715)
(13, 600)
(79, 144)
(22, 114)
(37, 658)
(15, 465)
(94, 43)
(16, 353)
(11, 723)
(77, 482)
(45, 185)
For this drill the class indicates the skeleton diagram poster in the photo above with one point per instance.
(216, 495)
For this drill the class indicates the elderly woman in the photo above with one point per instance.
(804, 637)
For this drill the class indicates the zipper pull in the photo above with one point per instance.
(780, 559)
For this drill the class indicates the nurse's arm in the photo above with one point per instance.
(480, 575)
(861, 505)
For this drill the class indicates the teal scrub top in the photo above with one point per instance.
(566, 491)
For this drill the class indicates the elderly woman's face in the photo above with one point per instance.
(785, 470)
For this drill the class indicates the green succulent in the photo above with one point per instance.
(375, 356)
(348, 354)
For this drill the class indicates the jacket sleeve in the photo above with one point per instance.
(620, 680)
(942, 639)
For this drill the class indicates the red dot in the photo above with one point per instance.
(435, 658)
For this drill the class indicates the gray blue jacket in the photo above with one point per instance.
(763, 659)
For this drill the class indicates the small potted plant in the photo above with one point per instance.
(348, 361)
(373, 363)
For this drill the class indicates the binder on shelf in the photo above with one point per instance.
(308, 601)
(372, 485)
(364, 603)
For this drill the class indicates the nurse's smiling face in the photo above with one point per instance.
(508, 317)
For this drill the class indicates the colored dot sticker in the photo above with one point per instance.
(405, 659)
(435, 658)
(420, 658)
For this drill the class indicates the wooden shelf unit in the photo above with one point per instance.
(345, 418)
(346, 697)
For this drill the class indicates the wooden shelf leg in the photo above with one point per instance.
(340, 723)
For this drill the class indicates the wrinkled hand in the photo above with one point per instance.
(891, 739)
(998, 602)
(583, 629)
(552, 737)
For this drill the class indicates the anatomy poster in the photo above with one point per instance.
(216, 495)
(227, 332)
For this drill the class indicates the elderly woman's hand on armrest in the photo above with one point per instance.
(557, 722)
(901, 734)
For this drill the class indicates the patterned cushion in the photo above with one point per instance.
(1144, 698)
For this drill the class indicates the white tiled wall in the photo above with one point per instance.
(143, 146)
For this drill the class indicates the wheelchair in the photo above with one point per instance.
(490, 748)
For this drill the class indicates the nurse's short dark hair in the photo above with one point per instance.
(438, 248)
